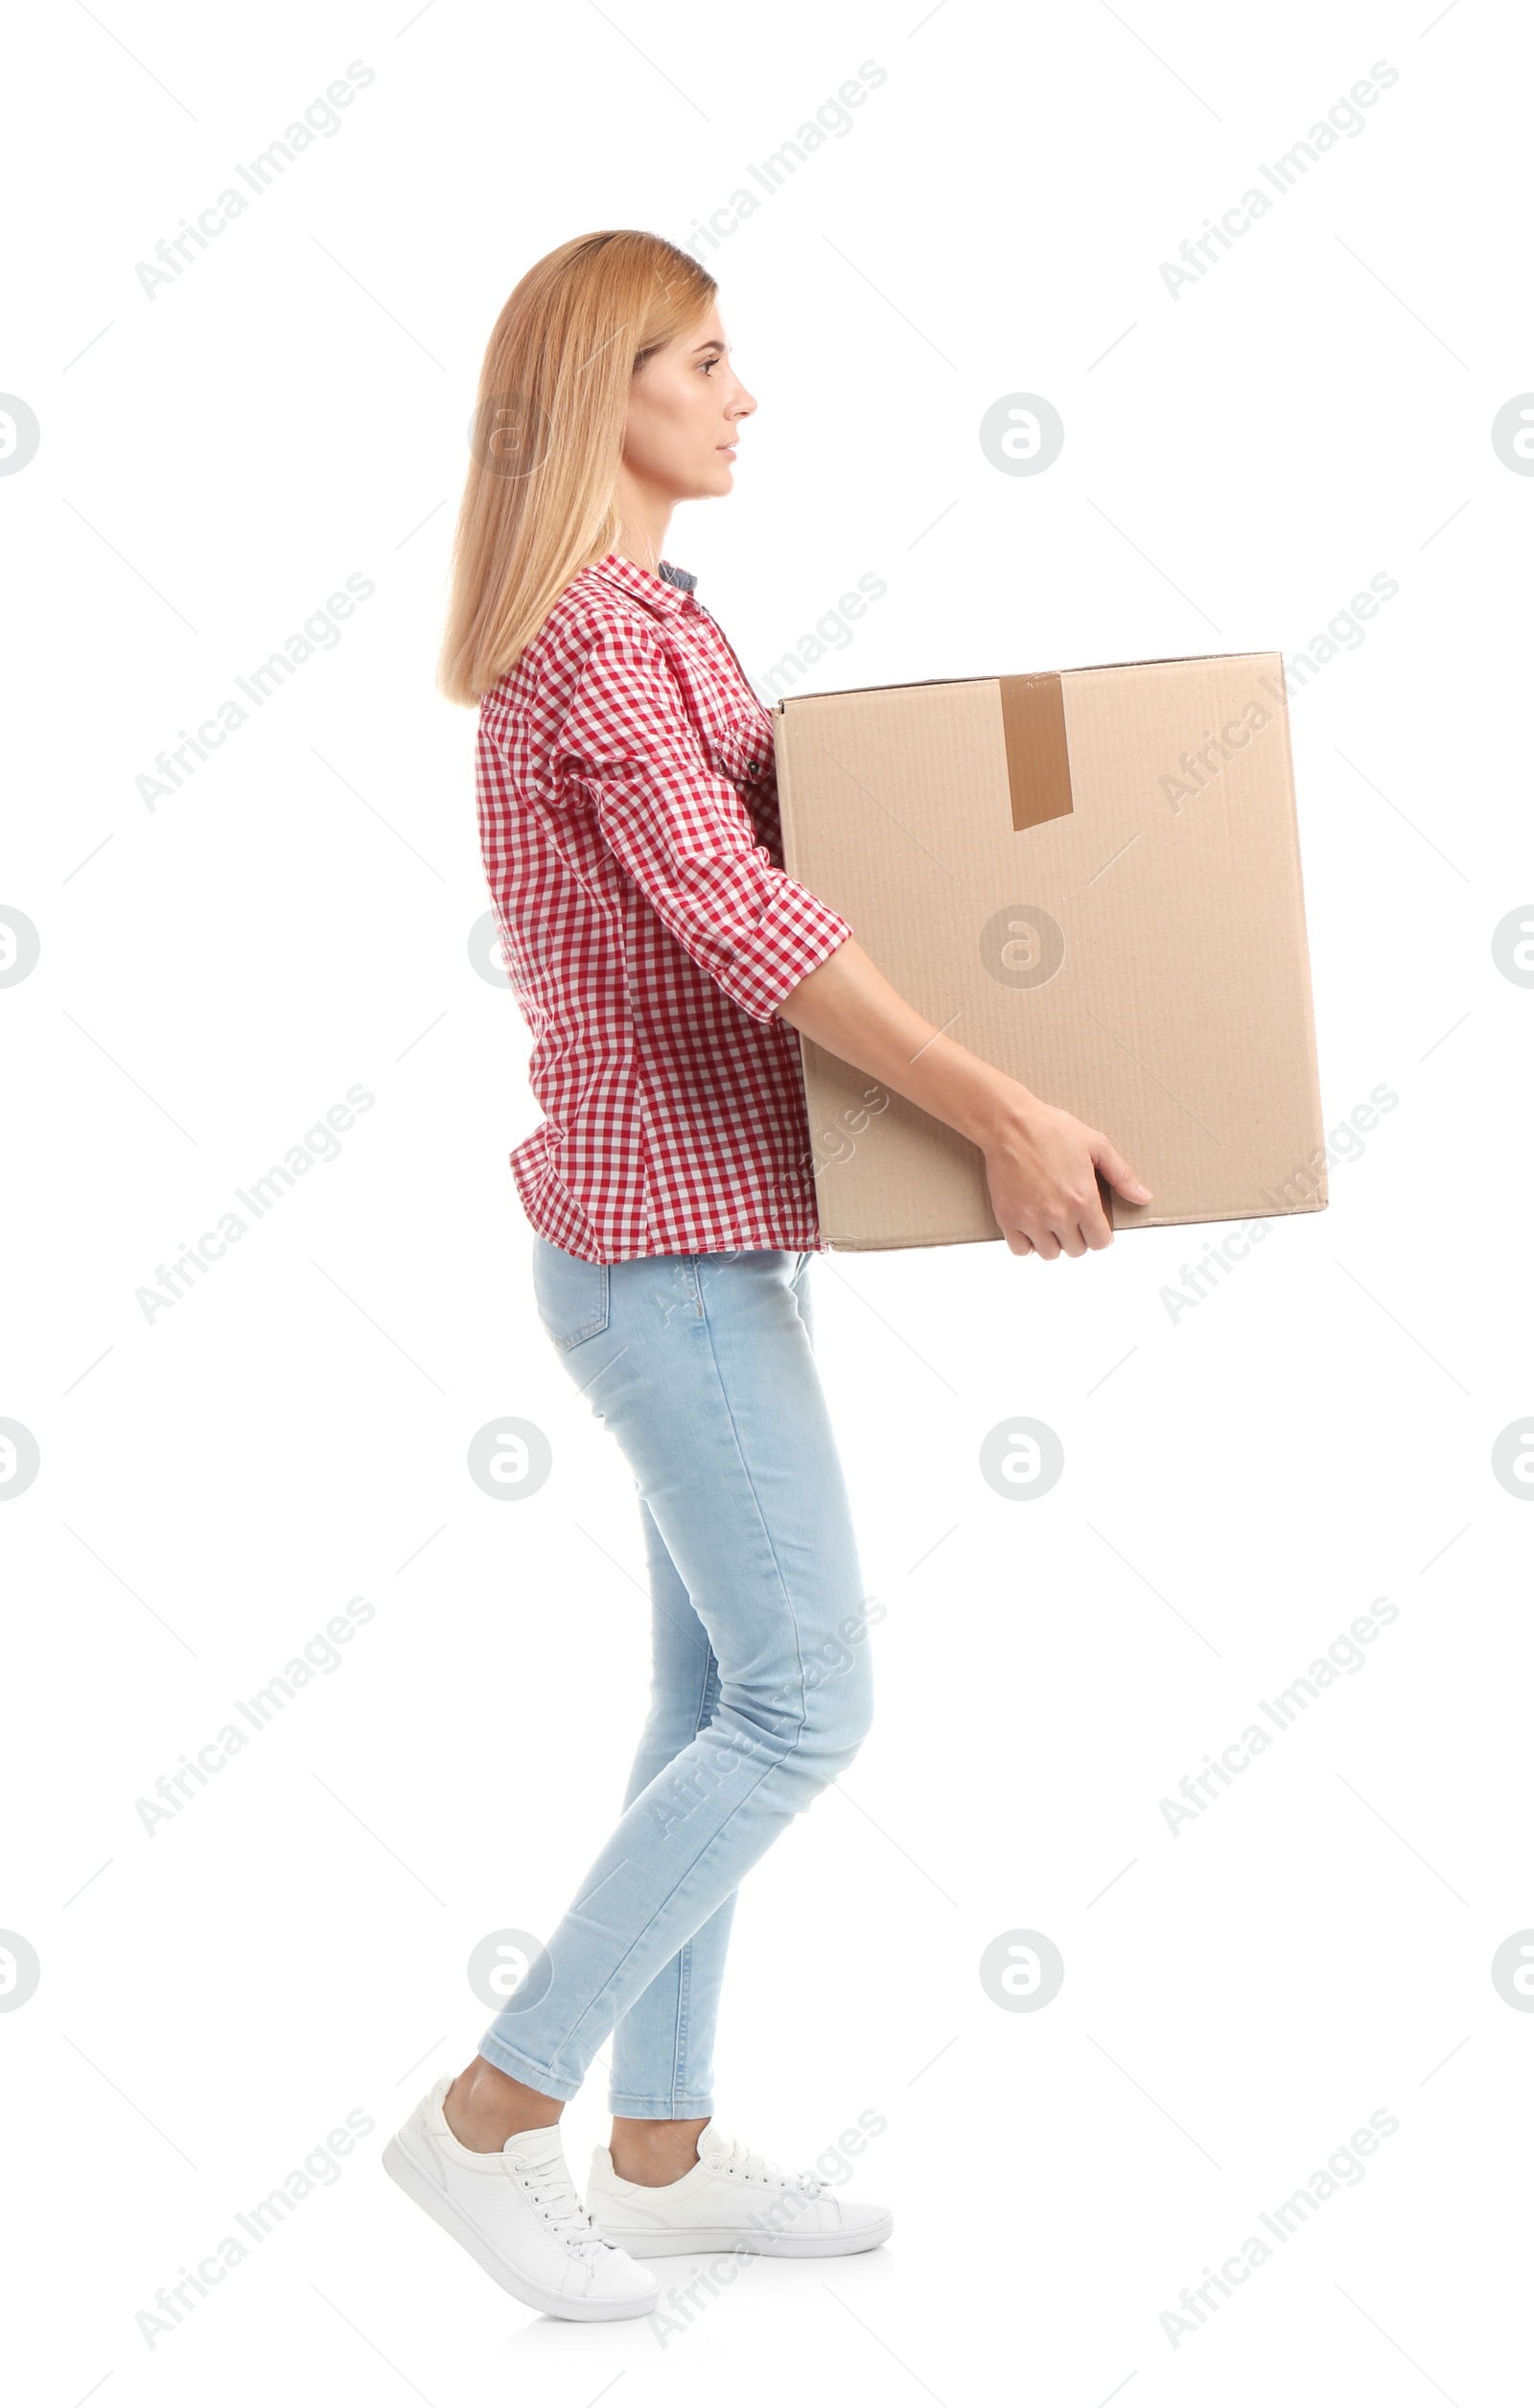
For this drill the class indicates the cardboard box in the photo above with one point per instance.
(1093, 880)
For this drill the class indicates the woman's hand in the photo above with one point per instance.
(1041, 1167)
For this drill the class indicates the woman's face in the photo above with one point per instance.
(684, 408)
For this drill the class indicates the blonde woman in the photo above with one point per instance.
(666, 964)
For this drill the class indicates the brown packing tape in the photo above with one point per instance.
(1039, 764)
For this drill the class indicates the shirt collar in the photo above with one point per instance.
(666, 593)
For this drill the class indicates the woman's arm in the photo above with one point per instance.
(1041, 1164)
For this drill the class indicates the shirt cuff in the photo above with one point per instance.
(796, 933)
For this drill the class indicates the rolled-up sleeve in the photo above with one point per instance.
(682, 831)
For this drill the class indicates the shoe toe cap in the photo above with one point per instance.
(617, 2276)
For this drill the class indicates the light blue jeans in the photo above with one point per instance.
(701, 1367)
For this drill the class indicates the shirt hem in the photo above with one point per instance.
(553, 1214)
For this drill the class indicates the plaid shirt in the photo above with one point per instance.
(628, 817)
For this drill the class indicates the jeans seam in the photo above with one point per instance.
(679, 2039)
(658, 2110)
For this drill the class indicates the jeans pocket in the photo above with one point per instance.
(573, 1297)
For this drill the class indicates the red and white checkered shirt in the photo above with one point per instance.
(628, 817)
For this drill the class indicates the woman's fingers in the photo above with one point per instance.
(1117, 1172)
(1047, 1192)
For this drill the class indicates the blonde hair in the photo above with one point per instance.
(547, 438)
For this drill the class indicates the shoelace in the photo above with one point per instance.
(558, 2202)
(755, 2168)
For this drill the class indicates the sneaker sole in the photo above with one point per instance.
(692, 2241)
(401, 2168)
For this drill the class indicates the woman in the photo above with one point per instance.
(666, 964)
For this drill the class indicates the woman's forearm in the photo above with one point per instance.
(1042, 1165)
(849, 1006)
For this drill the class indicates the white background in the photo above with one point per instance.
(1240, 1482)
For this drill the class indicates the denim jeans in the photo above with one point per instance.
(701, 1367)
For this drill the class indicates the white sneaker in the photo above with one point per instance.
(518, 2213)
(730, 2199)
